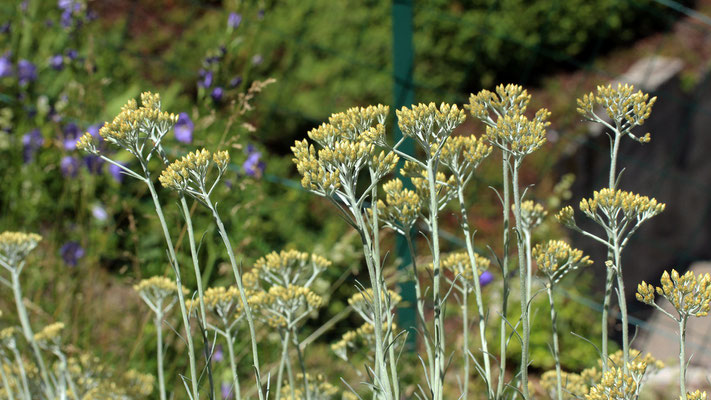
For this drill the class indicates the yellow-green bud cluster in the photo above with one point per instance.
(428, 124)
(352, 125)
(610, 202)
(189, 173)
(363, 303)
(623, 105)
(444, 187)
(290, 267)
(363, 336)
(615, 385)
(518, 135)
(573, 385)
(556, 258)
(224, 302)
(157, 288)
(507, 100)
(697, 395)
(283, 307)
(134, 125)
(318, 388)
(689, 294)
(462, 154)
(50, 334)
(401, 207)
(459, 264)
(15, 246)
(532, 214)
(7, 337)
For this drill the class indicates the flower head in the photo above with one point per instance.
(50, 335)
(15, 246)
(71, 134)
(363, 303)
(286, 306)
(71, 252)
(252, 166)
(56, 62)
(556, 258)
(509, 100)
(158, 292)
(26, 72)
(290, 267)
(184, 128)
(462, 154)
(234, 20)
(6, 68)
(69, 166)
(189, 174)
(428, 124)
(401, 207)
(31, 142)
(690, 294)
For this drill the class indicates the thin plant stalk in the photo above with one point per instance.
(233, 366)
(181, 298)
(505, 273)
(479, 302)
(23, 373)
(465, 342)
(242, 292)
(556, 346)
(283, 360)
(682, 356)
(420, 301)
(623, 306)
(439, 346)
(6, 384)
(27, 331)
(525, 323)
(159, 345)
(302, 364)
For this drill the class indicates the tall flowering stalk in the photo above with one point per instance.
(158, 293)
(690, 295)
(348, 153)
(555, 259)
(624, 110)
(140, 131)
(14, 249)
(517, 136)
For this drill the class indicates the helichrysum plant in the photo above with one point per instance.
(690, 296)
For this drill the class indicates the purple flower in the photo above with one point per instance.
(26, 72)
(184, 128)
(71, 135)
(218, 355)
(226, 390)
(260, 14)
(257, 59)
(69, 9)
(253, 166)
(486, 278)
(5, 66)
(71, 253)
(30, 143)
(57, 62)
(116, 173)
(99, 212)
(5, 28)
(93, 163)
(234, 20)
(206, 80)
(234, 82)
(72, 54)
(94, 129)
(217, 94)
(69, 166)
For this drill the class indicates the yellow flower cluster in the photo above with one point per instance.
(15, 246)
(610, 201)
(50, 333)
(615, 385)
(460, 266)
(352, 125)
(556, 258)
(364, 299)
(319, 389)
(517, 134)
(314, 176)
(428, 124)
(189, 173)
(444, 186)
(133, 125)
(401, 207)
(574, 386)
(532, 214)
(363, 336)
(462, 154)
(689, 294)
(7, 336)
(697, 395)
(506, 100)
(623, 105)
(157, 288)
(224, 302)
(282, 307)
(289, 267)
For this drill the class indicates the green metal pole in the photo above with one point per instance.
(404, 96)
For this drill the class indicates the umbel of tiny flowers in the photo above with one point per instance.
(50, 338)
(620, 214)
(14, 249)
(8, 341)
(401, 208)
(617, 383)
(690, 295)
(554, 260)
(290, 267)
(348, 149)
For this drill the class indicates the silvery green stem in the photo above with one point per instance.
(284, 359)
(302, 364)
(381, 372)
(465, 342)
(290, 376)
(556, 348)
(179, 284)
(605, 312)
(529, 267)
(6, 384)
(233, 366)
(23, 373)
(196, 264)
(505, 276)
(159, 356)
(623, 308)
(525, 323)
(477, 297)
(437, 375)
(66, 374)
(613, 160)
(682, 356)
(420, 302)
(29, 335)
(242, 293)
